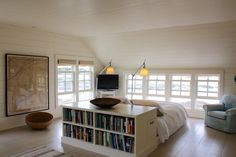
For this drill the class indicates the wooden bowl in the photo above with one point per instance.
(105, 102)
(39, 120)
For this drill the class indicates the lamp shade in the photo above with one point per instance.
(110, 70)
(144, 72)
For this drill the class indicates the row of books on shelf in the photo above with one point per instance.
(78, 132)
(115, 141)
(76, 116)
(115, 123)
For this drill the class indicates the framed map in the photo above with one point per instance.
(27, 87)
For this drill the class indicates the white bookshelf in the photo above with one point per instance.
(116, 132)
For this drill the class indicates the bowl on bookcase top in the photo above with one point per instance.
(39, 120)
(105, 102)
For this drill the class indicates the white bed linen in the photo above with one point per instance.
(174, 117)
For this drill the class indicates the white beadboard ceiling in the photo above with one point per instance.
(168, 33)
(198, 46)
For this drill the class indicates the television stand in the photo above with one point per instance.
(105, 93)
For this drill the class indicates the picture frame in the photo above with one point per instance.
(27, 83)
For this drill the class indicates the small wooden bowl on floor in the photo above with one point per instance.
(39, 120)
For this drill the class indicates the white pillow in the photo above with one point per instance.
(145, 102)
(151, 103)
(123, 100)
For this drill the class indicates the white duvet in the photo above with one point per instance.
(174, 117)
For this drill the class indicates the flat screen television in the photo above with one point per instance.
(108, 82)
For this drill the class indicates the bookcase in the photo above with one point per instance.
(116, 132)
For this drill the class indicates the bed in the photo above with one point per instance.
(170, 117)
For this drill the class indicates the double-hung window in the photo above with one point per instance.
(75, 80)
(208, 89)
(85, 80)
(180, 85)
(134, 86)
(181, 89)
(66, 81)
(156, 87)
(190, 88)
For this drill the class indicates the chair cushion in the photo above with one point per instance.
(217, 114)
(229, 101)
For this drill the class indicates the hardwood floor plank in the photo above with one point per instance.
(192, 140)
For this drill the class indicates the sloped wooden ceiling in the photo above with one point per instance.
(168, 33)
(198, 46)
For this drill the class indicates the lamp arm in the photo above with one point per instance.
(143, 65)
(109, 64)
(137, 71)
(132, 84)
(104, 69)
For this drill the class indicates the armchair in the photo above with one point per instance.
(222, 116)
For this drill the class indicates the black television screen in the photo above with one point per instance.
(108, 82)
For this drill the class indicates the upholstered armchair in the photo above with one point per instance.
(222, 116)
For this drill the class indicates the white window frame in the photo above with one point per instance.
(207, 92)
(180, 81)
(91, 72)
(208, 99)
(75, 84)
(56, 78)
(158, 96)
(192, 110)
(134, 79)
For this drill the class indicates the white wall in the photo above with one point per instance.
(36, 42)
(229, 84)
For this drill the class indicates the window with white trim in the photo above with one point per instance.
(66, 81)
(137, 91)
(181, 89)
(180, 85)
(85, 81)
(156, 87)
(208, 86)
(208, 89)
(74, 81)
(190, 89)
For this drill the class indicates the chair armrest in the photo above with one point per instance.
(231, 112)
(213, 107)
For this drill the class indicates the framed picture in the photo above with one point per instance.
(27, 88)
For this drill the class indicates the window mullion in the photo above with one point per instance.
(65, 81)
(76, 82)
(167, 87)
(193, 91)
(84, 80)
(207, 88)
(156, 86)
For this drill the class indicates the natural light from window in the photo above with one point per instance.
(192, 90)
(66, 79)
(75, 80)
(156, 87)
(137, 87)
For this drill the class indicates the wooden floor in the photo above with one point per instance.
(193, 140)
